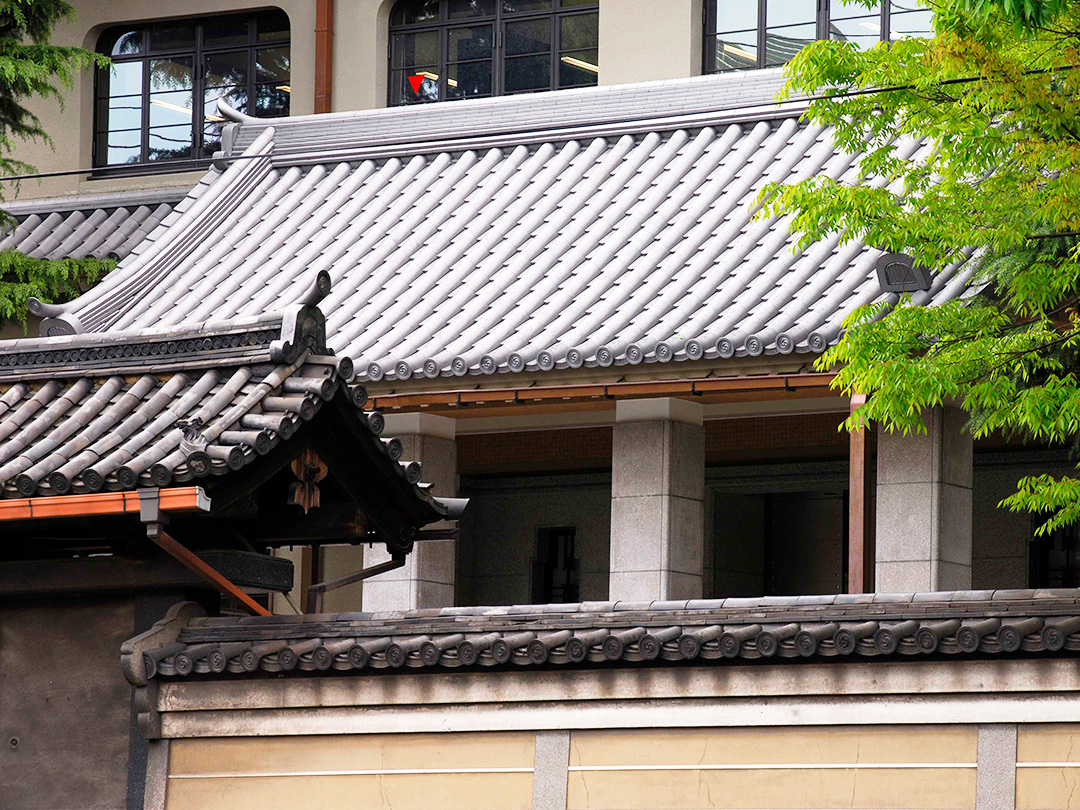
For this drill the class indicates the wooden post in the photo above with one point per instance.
(860, 548)
(324, 54)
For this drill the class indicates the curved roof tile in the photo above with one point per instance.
(639, 244)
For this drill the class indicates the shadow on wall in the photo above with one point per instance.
(509, 520)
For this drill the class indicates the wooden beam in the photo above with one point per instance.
(211, 575)
(177, 499)
(860, 537)
(558, 397)
(324, 54)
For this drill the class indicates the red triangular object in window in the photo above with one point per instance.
(415, 82)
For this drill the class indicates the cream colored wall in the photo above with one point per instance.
(646, 40)
(71, 126)
(387, 771)
(640, 40)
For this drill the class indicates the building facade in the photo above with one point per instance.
(547, 272)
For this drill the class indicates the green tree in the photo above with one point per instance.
(32, 68)
(993, 99)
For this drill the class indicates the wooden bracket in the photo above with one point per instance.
(156, 531)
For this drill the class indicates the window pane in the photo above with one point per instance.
(468, 79)
(736, 15)
(122, 147)
(910, 19)
(459, 9)
(530, 36)
(170, 143)
(124, 80)
(272, 64)
(515, 6)
(235, 97)
(428, 89)
(227, 68)
(469, 43)
(272, 25)
(170, 74)
(790, 12)
(120, 112)
(736, 51)
(781, 44)
(125, 43)
(577, 69)
(168, 109)
(579, 31)
(863, 31)
(271, 101)
(415, 11)
(172, 37)
(416, 49)
(570, 3)
(219, 31)
(528, 73)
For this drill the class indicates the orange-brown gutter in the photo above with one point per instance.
(707, 388)
(324, 54)
(178, 499)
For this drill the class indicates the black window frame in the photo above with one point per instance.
(822, 22)
(198, 52)
(443, 25)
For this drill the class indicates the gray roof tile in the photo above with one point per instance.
(620, 634)
(521, 251)
(99, 225)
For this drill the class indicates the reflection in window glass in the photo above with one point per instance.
(445, 49)
(744, 34)
(154, 104)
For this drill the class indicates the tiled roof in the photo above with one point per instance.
(622, 238)
(101, 225)
(620, 633)
(152, 408)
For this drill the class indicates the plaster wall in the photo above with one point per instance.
(64, 704)
(499, 534)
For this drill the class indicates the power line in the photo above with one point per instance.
(193, 163)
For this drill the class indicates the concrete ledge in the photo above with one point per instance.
(420, 424)
(659, 409)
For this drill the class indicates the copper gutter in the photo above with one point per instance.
(178, 499)
(708, 387)
(324, 54)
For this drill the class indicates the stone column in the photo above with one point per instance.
(427, 580)
(657, 500)
(923, 540)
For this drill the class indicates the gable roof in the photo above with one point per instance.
(613, 633)
(156, 408)
(595, 227)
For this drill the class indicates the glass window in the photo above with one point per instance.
(745, 34)
(451, 49)
(169, 76)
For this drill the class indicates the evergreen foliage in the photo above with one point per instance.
(30, 67)
(993, 100)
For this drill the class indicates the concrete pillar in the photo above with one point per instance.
(657, 500)
(427, 580)
(643, 40)
(923, 538)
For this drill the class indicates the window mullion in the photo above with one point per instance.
(762, 37)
